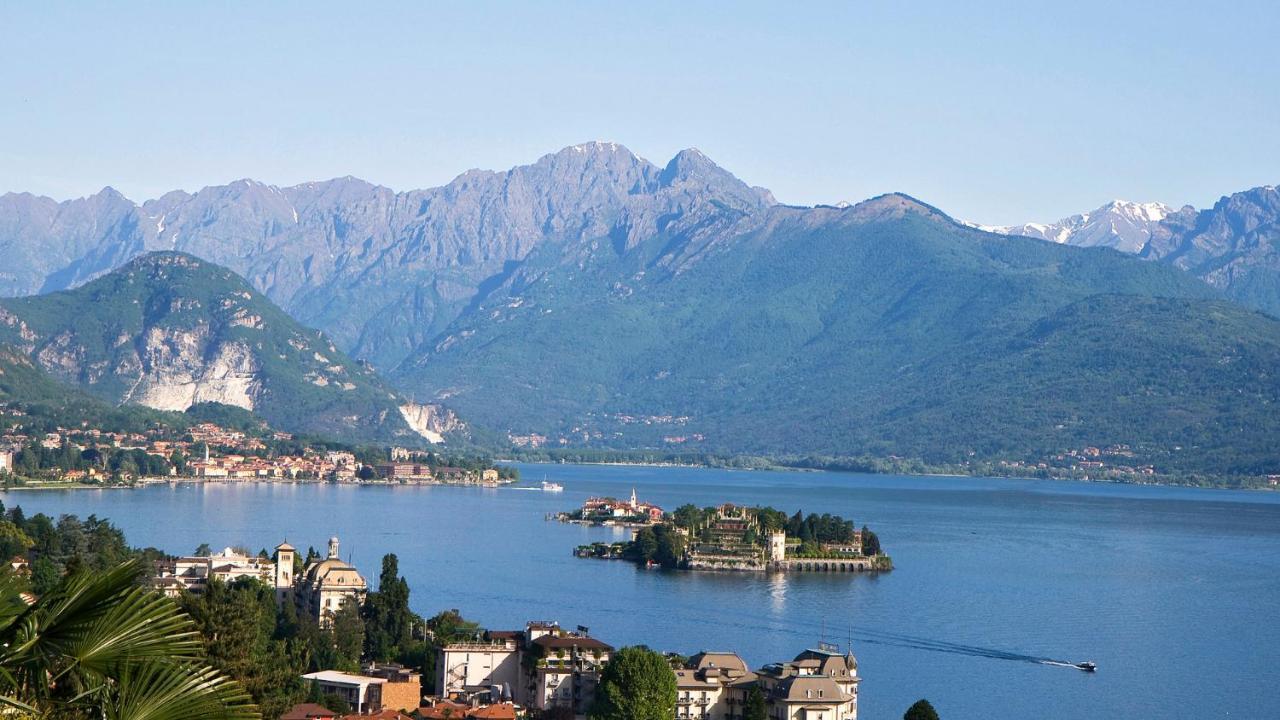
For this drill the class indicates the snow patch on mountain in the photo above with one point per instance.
(1120, 224)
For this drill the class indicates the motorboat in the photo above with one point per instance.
(1087, 666)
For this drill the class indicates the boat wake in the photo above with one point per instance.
(880, 637)
(883, 637)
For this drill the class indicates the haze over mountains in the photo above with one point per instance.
(379, 271)
(597, 297)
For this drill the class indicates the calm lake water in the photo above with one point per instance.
(1173, 592)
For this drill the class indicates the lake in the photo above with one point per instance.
(1172, 591)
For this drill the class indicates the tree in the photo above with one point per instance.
(669, 551)
(13, 541)
(448, 626)
(239, 624)
(687, 516)
(203, 550)
(870, 543)
(348, 635)
(336, 703)
(755, 709)
(179, 461)
(921, 710)
(645, 546)
(44, 575)
(637, 684)
(99, 645)
(388, 619)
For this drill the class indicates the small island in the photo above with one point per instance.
(612, 512)
(738, 538)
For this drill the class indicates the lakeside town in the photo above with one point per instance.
(371, 657)
(540, 670)
(206, 452)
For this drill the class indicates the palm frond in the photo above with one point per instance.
(176, 691)
(93, 626)
(9, 704)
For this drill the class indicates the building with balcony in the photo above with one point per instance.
(819, 684)
(543, 667)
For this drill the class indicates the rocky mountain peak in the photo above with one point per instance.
(693, 171)
(596, 156)
(890, 205)
(1120, 224)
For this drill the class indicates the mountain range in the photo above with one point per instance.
(1233, 246)
(596, 298)
(381, 272)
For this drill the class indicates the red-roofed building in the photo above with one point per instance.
(309, 711)
(501, 711)
(444, 710)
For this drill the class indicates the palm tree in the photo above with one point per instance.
(99, 646)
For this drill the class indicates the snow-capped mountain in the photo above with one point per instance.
(1120, 224)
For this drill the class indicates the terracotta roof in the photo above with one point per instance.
(501, 711)
(384, 715)
(455, 711)
(304, 711)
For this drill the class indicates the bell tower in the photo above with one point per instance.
(284, 571)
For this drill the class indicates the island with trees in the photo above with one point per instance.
(739, 538)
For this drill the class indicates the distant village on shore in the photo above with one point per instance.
(208, 452)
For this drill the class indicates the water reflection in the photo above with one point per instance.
(778, 593)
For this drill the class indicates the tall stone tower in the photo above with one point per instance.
(284, 572)
(777, 546)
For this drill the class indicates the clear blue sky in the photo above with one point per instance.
(994, 111)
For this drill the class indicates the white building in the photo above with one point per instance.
(820, 684)
(705, 688)
(566, 671)
(319, 592)
(492, 661)
(542, 667)
(362, 693)
(6, 461)
(323, 586)
(194, 573)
